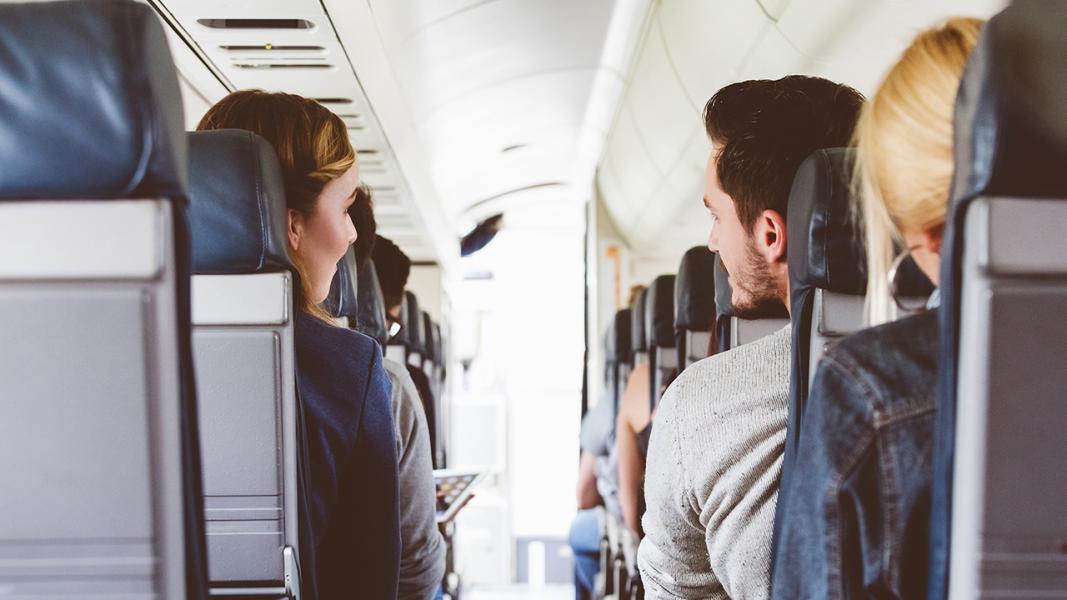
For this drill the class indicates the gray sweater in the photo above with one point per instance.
(422, 550)
(711, 481)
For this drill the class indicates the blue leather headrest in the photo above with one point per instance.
(413, 336)
(371, 305)
(694, 291)
(826, 248)
(617, 342)
(659, 312)
(89, 103)
(1010, 135)
(237, 209)
(342, 301)
(429, 342)
(639, 327)
(826, 245)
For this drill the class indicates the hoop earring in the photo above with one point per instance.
(894, 286)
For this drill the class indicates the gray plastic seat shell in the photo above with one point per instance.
(90, 384)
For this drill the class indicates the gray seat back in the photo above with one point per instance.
(245, 368)
(1003, 329)
(95, 458)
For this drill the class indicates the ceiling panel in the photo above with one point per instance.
(661, 110)
(706, 41)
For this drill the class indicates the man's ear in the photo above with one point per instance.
(296, 228)
(770, 236)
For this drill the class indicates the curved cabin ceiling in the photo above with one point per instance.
(500, 90)
(651, 171)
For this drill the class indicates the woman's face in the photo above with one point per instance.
(320, 238)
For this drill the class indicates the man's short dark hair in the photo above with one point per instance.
(764, 129)
(362, 214)
(393, 267)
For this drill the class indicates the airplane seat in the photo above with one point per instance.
(694, 305)
(732, 331)
(828, 268)
(619, 353)
(342, 300)
(429, 367)
(245, 365)
(997, 516)
(415, 338)
(639, 330)
(439, 353)
(659, 318)
(370, 306)
(428, 345)
(101, 468)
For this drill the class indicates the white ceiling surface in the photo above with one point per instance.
(507, 95)
(651, 172)
(423, 233)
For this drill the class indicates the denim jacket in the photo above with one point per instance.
(857, 519)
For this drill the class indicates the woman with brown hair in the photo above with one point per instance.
(351, 544)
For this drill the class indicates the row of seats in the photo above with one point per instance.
(127, 472)
(1002, 335)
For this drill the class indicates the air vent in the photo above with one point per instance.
(274, 65)
(332, 101)
(256, 23)
(272, 48)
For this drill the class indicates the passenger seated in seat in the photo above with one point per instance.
(716, 451)
(394, 267)
(422, 549)
(633, 429)
(344, 392)
(588, 526)
(858, 517)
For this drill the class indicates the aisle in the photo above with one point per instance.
(520, 592)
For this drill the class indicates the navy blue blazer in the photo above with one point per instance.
(352, 495)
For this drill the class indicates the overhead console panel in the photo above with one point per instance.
(292, 46)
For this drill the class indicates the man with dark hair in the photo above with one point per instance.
(716, 451)
(394, 268)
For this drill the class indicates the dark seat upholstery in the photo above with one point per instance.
(659, 319)
(694, 304)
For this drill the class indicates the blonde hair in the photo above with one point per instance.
(312, 146)
(904, 149)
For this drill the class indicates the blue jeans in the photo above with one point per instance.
(585, 543)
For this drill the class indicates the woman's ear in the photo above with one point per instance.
(296, 228)
(932, 238)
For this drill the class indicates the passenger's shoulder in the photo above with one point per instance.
(895, 356)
